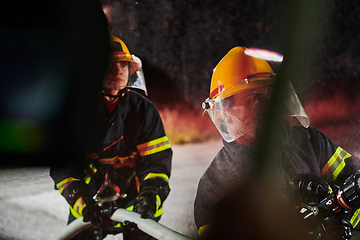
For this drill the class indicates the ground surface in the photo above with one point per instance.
(31, 209)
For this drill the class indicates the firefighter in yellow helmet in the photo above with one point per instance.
(128, 162)
(119, 53)
(240, 94)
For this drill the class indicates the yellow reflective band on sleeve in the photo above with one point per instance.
(119, 225)
(90, 172)
(203, 229)
(158, 212)
(161, 175)
(154, 146)
(78, 207)
(64, 183)
(158, 202)
(74, 213)
(154, 175)
(131, 208)
(335, 165)
(330, 190)
(355, 218)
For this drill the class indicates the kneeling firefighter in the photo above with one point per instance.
(128, 162)
(241, 94)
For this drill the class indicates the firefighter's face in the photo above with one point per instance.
(246, 109)
(117, 76)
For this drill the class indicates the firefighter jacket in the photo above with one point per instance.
(130, 147)
(303, 150)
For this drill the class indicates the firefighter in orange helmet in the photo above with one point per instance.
(128, 163)
(241, 88)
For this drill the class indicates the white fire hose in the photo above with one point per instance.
(148, 226)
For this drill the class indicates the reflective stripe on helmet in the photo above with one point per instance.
(119, 52)
(217, 91)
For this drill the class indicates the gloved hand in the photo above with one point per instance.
(334, 228)
(308, 192)
(310, 189)
(313, 194)
(92, 213)
(146, 203)
(131, 230)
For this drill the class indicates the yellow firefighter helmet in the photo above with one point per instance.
(241, 69)
(120, 53)
(238, 71)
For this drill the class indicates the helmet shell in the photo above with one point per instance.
(120, 53)
(237, 71)
(234, 73)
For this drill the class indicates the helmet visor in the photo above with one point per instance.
(243, 112)
(240, 113)
(294, 108)
(137, 79)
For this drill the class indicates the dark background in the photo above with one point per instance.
(53, 54)
(184, 40)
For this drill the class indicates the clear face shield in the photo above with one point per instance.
(137, 79)
(243, 111)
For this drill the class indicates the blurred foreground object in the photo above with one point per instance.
(48, 77)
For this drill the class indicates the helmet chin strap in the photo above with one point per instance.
(120, 93)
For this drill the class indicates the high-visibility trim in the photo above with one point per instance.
(74, 213)
(65, 183)
(154, 146)
(154, 175)
(355, 218)
(217, 91)
(130, 208)
(90, 173)
(158, 202)
(112, 144)
(116, 159)
(330, 190)
(158, 212)
(78, 207)
(160, 175)
(335, 165)
(119, 225)
(203, 229)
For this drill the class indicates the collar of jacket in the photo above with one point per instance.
(120, 93)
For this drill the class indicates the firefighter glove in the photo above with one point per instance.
(93, 214)
(131, 230)
(310, 194)
(146, 203)
(334, 228)
(310, 189)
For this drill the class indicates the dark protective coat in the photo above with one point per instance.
(301, 150)
(129, 144)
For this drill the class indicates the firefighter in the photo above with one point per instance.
(128, 162)
(241, 88)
